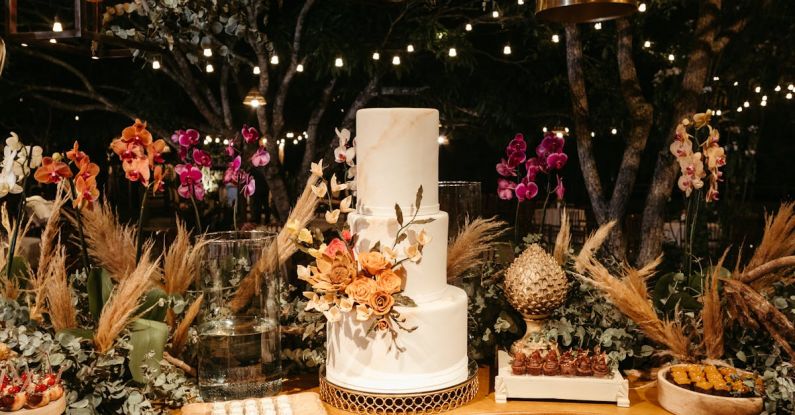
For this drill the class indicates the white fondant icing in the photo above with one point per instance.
(427, 279)
(434, 356)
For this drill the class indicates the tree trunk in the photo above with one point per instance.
(665, 173)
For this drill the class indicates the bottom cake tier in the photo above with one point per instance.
(434, 355)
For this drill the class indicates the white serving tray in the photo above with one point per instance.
(569, 388)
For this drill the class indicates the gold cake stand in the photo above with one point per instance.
(433, 402)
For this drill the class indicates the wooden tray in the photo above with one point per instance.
(56, 407)
(304, 403)
(507, 385)
(681, 401)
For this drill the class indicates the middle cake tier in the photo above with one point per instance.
(426, 280)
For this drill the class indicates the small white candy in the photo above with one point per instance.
(218, 406)
(220, 411)
(285, 410)
(248, 402)
(236, 405)
(269, 412)
(283, 398)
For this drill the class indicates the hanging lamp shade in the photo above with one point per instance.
(254, 99)
(584, 11)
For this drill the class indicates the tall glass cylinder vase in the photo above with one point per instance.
(239, 338)
(461, 200)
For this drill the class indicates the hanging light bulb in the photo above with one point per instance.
(155, 64)
(275, 60)
(763, 103)
(396, 60)
(597, 25)
(53, 41)
(520, 2)
(718, 113)
(758, 89)
(716, 78)
(764, 97)
(647, 44)
(57, 26)
(338, 62)
(791, 87)
(544, 129)
(77, 118)
(209, 68)
(452, 53)
(789, 95)
(593, 134)
(739, 109)
(642, 7)
(614, 131)
(495, 14)
(256, 70)
(208, 52)
(777, 88)
(410, 48)
(671, 57)
(376, 56)
(584, 11)
(24, 45)
(736, 83)
(226, 142)
(506, 50)
(468, 27)
(555, 38)
(300, 67)
(746, 104)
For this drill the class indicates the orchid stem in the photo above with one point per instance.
(140, 242)
(12, 243)
(81, 234)
(196, 211)
(544, 211)
(516, 224)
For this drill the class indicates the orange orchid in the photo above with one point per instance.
(87, 192)
(137, 170)
(77, 156)
(126, 151)
(137, 134)
(52, 171)
(87, 170)
(158, 184)
(155, 152)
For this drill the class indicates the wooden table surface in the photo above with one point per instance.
(643, 401)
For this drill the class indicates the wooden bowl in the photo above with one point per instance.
(681, 401)
(56, 407)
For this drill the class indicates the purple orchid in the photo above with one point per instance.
(505, 189)
(190, 179)
(250, 134)
(249, 186)
(232, 170)
(186, 138)
(504, 169)
(560, 191)
(526, 190)
(260, 158)
(556, 161)
(201, 158)
(549, 157)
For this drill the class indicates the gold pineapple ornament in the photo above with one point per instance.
(535, 285)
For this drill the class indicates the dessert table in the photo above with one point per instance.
(643, 401)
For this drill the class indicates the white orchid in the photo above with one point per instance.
(333, 314)
(363, 313)
(344, 135)
(317, 168)
(333, 216)
(336, 187)
(345, 205)
(320, 190)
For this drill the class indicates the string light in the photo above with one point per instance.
(544, 129)
(614, 131)
(746, 104)
(736, 83)
(764, 97)
(520, 2)
(57, 26)
(256, 70)
(209, 68)
(208, 52)
(555, 38)
(410, 48)
(255, 103)
(53, 41)
(777, 88)
(789, 95)
(155, 64)
(376, 56)
(24, 45)
(275, 60)
(642, 7)
(718, 113)
(758, 89)
(217, 140)
(226, 142)
(295, 141)
(468, 27)
(593, 134)
(763, 103)
(338, 62)
(566, 129)
(597, 26)
(716, 78)
(290, 135)
(396, 60)
(442, 139)
(671, 57)
(739, 109)
(647, 44)
(300, 67)
(495, 14)
(77, 118)
(506, 50)
(452, 53)
(94, 56)
(791, 87)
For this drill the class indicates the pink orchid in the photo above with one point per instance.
(201, 158)
(517, 145)
(335, 246)
(516, 158)
(505, 189)
(505, 170)
(560, 191)
(249, 186)
(552, 143)
(260, 158)
(232, 170)
(534, 165)
(186, 138)
(190, 179)
(182, 152)
(230, 148)
(250, 134)
(526, 190)
(556, 161)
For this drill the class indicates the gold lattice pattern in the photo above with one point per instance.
(417, 403)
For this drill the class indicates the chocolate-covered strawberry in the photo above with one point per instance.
(38, 395)
(12, 398)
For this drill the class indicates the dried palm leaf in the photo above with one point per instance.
(275, 254)
(181, 261)
(123, 301)
(475, 238)
(180, 336)
(51, 230)
(109, 242)
(778, 242)
(711, 313)
(591, 245)
(563, 240)
(60, 306)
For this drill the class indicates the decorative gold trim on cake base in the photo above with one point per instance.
(433, 402)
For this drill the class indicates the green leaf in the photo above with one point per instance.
(399, 214)
(148, 339)
(79, 333)
(418, 199)
(19, 268)
(741, 356)
(152, 307)
(99, 285)
(403, 300)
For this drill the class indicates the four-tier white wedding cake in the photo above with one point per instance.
(397, 152)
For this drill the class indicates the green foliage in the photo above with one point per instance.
(148, 339)
(98, 287)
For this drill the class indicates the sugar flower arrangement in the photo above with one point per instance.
(691, 160)
(345, 280)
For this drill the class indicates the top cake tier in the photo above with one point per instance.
(397, 150)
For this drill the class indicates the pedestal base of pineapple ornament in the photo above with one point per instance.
(405, 403)
(613, 388)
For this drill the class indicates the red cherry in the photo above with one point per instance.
(50, 379)
(41, 387)
(13, 389)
